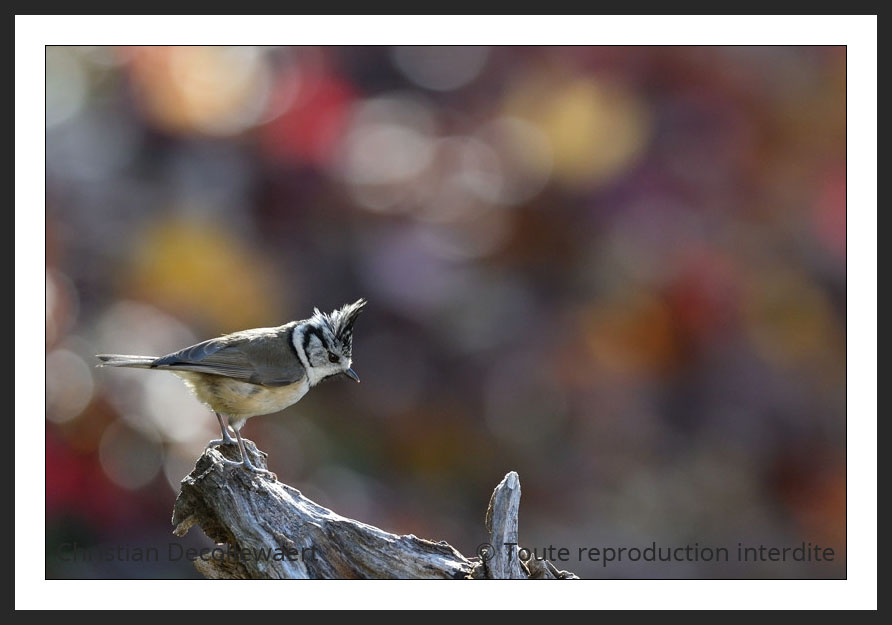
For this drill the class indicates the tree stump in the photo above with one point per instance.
(265, 529)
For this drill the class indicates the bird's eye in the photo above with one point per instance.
(332, 357)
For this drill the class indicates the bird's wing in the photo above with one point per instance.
(263, 356)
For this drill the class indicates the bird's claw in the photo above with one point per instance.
(247, 466)
(218, 442)
(260, 471)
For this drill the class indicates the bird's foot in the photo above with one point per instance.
(259, 471)
(248, 466)
(221, 441)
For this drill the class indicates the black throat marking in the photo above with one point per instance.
(293, 347)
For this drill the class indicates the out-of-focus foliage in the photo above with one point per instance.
(617, 271)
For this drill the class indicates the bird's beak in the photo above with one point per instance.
(352, 374)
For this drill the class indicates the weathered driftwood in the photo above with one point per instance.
(266, 529)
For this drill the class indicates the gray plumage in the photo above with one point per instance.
(264, 356)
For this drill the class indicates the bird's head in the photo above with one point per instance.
(327, 342)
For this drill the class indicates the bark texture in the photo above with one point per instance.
(265, 529)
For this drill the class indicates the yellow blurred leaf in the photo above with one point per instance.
(195, 268)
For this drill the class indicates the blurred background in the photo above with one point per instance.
(619, 271)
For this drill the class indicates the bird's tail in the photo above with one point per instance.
(120, 360)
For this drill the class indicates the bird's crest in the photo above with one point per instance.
(339, 324)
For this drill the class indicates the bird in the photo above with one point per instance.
(258, 371)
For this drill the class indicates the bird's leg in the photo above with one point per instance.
(247, 463)
(227, 439)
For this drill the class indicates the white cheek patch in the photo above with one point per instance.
(316, 351)
(314, 345)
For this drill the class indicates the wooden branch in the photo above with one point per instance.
(501, 523)
(266, 529)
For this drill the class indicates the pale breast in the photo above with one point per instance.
(242, 399)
